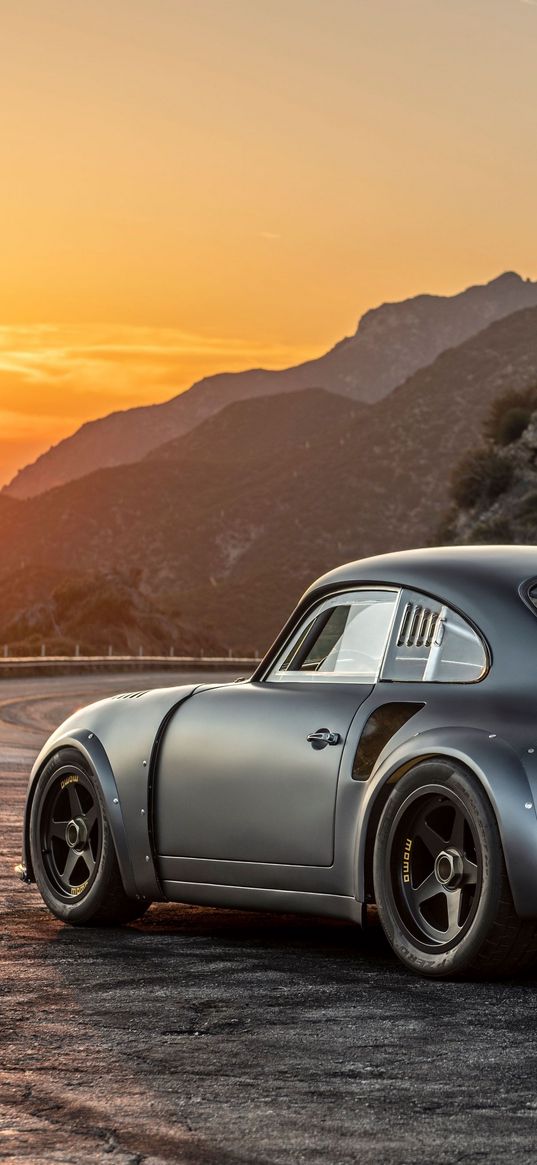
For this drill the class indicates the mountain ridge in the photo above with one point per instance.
(391, 342)
(297, 483)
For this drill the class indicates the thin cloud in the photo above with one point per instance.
(53, 377)
(84, 370)
(269, 235)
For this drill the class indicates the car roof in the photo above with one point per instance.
(470, 570)
(481, 582)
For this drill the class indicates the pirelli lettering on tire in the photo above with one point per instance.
(406, 859)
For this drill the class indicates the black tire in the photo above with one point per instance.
(72, 850)
(451, 913)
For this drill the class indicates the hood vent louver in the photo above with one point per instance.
(130, 695)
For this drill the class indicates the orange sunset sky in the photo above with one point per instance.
(190, 186)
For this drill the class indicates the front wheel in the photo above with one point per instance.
(72, 849)
(440, 880)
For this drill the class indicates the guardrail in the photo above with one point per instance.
(27, 665)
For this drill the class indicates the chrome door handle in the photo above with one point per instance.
(322, 737)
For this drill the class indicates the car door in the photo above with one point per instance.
(248, 773)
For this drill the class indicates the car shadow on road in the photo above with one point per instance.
(213, 1035)
(177, 929)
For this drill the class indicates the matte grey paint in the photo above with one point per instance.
(253, 789)
(221, 738)
(117, 737)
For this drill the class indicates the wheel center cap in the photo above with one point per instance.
(76, 834)
(448, 868)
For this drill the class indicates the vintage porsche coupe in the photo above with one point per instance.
(384, 752)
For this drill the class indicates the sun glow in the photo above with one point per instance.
(54, 377)
(228, 185)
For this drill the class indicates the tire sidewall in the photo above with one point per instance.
(459, 957)
(85, 906)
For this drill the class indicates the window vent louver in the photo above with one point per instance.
(418, 626)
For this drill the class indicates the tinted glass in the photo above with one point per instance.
(461, 655)
(431, 642)
(346, 640)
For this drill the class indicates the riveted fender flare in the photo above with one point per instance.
(91, 750)
(509, 779)
(119, 741)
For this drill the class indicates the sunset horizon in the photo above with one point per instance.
(198, 188)
(104, 369)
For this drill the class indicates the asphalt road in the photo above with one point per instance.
(223, 1038)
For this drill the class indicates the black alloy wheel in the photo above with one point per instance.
(440, 880)
(436, 866)
(70, 830)
(72, 849)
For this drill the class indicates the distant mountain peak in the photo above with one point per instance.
(391, 312)
(391, 343)
(508, 277)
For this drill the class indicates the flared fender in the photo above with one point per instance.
(119, 737)
(509, 778)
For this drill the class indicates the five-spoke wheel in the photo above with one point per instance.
(70, 832)
(72, 848)
(436, 865)
(440, 881)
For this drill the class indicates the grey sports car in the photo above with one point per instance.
(384, 752)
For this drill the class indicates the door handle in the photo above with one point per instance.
(322, 737)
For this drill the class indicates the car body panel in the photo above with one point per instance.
(253, 789)
(208, 787)
(118, 737)
(507, 770)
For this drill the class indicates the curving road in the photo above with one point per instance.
(205, 1036)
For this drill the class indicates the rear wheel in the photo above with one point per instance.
(72, 849)
(440, 880)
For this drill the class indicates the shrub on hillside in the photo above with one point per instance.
(446, 531)
(480, 478)
(510, 414)
(526, 517)
(528, 506)
(513, 424)
(497, 531)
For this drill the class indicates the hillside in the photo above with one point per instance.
(391, 342)
(494, 488)
(231, 521)
(93, 610)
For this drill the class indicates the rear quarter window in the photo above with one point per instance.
(432, 643)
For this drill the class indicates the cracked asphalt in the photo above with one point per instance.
(215, 1037)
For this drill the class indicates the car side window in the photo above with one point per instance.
(344, 641)
(430, 642)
